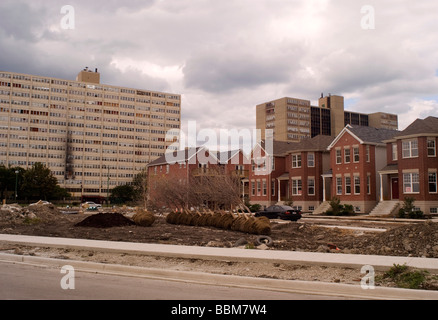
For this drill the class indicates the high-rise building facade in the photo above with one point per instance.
(93, 137)
(294, 119)
(289, 118)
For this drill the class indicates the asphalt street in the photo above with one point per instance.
(27, 282)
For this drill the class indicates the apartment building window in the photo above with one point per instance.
(367, 150)
(410, 148)
(265, 190)
(431, 147)
(253, 188)
(311, 186)
(356, 185)
(368, 184)
(259, 188)
(296, 161)
(411, 183)
(297, 187)
(311, 160)
(394, 152)
(433, 182)
(347, 155)
(338, 156)
(347, 185)
(339, 186)
(356, 156)
(273, 187)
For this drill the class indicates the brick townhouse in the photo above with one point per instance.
(411, 169)
(184, 165)
(295, 175)
(371, 169)
(356, 155)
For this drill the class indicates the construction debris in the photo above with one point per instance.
(42, 211)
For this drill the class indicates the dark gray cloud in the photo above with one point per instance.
(20, 21)
(226, 57)
(224, 71)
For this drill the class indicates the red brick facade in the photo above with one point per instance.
(413, 164)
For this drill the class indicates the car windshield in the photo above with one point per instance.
(286, 208)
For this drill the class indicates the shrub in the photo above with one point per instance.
(408, 210)
(405, 278)
(337, 209)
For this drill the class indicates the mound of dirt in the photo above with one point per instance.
(39, 211)
(42, 211)
(105, 220)
(419, 240)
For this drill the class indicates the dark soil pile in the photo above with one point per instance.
(105, 220)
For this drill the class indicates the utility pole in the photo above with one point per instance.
(16, 184)
(107, 190)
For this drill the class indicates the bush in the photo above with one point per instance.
(255, 207)
(405, 278)
(337, 209)
(408, 210)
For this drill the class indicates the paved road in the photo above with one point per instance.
(26, 282)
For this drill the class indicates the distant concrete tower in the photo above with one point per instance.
(336, 106)
(89, 76)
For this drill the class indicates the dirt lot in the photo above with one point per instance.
(417, 239)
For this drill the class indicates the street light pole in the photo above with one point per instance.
(107, 190)
(16, 184)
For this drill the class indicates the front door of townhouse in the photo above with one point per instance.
(394, 189)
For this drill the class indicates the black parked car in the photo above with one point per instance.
(280, 212)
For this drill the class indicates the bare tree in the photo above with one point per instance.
(214, 189)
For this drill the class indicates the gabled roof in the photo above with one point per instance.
(318, 143)
(180, 156)
(282, 148)
(420, 127)
(226, 156)
(365, 135)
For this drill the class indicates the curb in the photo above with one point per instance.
(288, 286)
(380, 263)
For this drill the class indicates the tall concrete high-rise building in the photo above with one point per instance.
(293, 119)
(92, 136)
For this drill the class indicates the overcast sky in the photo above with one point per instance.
(225, 57)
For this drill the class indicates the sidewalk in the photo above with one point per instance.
(229, 254)
(380, 263)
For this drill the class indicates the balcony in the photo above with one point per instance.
(242, 174)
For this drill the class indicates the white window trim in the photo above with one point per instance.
(308, 186)
(354, 154)
(411, 183)
(410, 149)
(345, 179)
(313, 160)
(436, 182)
(434, 147)
(296, 161)
(340, 157)
(345, 155)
